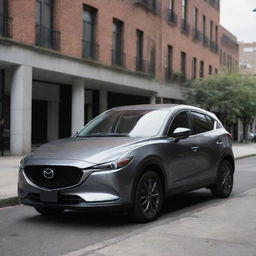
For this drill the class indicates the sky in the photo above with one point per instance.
(238, 17)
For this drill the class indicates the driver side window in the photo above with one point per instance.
(180, 120)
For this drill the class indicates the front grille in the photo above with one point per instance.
(64, 176)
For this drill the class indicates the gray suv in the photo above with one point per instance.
(130, 158)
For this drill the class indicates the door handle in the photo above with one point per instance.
(219, 142)
(195, 148)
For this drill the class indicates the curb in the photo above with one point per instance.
(242, 157)
(11, 201)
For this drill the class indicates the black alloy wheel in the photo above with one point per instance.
(224, 185)
(148, 197)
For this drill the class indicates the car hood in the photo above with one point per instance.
(92, 150)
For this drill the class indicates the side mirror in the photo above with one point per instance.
(181, 133)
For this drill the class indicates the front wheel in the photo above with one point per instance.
(148, 197)
(224, 184)
(48, 211)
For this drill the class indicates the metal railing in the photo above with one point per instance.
(214, 47)
(47, 37)
(184, 27)
(205, 40)
(5, 25)
(196, 35)
(140, 64)
(148, 4)
(90, 49)
(118, 58)
(168, 74)
(172, 17)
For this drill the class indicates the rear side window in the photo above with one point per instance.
(211, 122)
(200, 123)
(180, 120)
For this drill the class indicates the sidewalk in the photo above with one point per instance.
(9, 172)
(224, 229)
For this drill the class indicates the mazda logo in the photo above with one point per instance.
(48, 173)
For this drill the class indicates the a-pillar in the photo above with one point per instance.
(77, 120)
(103, 101)
(21, 106)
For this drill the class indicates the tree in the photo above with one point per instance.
(231, 95)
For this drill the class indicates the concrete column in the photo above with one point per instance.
(21, 106)
(103, 101)
(153, 99)
(77, 105)
(53, 121)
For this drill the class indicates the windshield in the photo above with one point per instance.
(134, 123)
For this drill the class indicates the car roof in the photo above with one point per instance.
(169, 107)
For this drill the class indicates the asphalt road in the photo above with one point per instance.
(24, 232)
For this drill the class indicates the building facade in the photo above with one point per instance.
(247, 54)
(229, 49)
(63, 62)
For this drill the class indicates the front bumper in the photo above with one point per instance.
(104, 189)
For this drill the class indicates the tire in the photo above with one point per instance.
(148, 198)
(48, 211)
(224, 185)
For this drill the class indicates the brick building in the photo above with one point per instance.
(247, 57)
(62, 62)
(229, 49)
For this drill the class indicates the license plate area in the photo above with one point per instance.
(49, 196)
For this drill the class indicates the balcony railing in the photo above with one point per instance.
(214, 47)
(172, 17)
(205, 41)
(150, 5)
(90, 49)
(118, 58)
(47, 37)
(168, 74)
(184, 27)
(5, 25)
(197, 35)
(145, 66)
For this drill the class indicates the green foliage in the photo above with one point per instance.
(231, 95)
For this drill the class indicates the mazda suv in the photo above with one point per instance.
(130, 158)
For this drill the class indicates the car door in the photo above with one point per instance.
(181, 157)
(204, 146)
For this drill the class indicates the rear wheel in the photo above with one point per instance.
(48, 211)
(224, 185)
(148, 197)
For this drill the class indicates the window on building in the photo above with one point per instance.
(184, 24)
(152, 60)
(169, 63)
(204, 25)
(211, 31)
(117, 44)
(221, 57)
(216, 34)
(210, 69)
(201, 69)
(139, 50)
(171, 5)
(195, 18)
(184, 10)
(183, 64)
(216, 71)
(45, 35)
(89, 37)
(194, 68)
(3, 18)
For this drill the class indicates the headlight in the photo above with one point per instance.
(112, 165)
